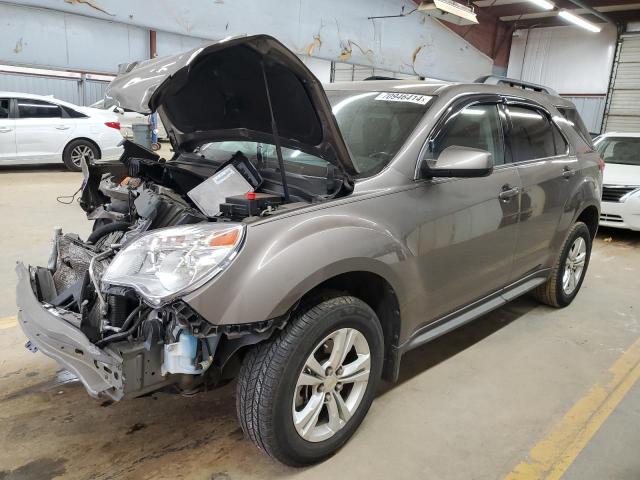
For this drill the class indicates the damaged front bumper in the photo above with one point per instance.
(120, 369)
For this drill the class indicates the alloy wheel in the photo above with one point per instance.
(81, 152)
(331, 384)
(574, 265)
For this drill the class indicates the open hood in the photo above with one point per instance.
(217, 92)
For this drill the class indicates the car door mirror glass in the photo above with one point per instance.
(457, 161)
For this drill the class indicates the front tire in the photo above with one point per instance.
(569, 269)
(302, 394)
(76, 151)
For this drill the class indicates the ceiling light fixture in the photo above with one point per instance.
(544, 4)
(579, 21)
(449, 11)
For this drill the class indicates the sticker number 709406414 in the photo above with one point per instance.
(404, 97)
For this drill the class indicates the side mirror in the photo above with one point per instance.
(462, 162)
(119, 110)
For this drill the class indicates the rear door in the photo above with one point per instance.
(7, 131)
(468, 226)
(547, 171)
(42, 129)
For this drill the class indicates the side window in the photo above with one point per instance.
(530, 135)
(31, 108)
(560, 142)
(572, 116)
(475, 126)
(4, 108)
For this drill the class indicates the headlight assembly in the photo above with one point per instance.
(173, 261)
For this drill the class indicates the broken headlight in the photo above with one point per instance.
(173, 261)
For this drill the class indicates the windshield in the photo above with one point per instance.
(263, 155)
(374, 126)
(622, 150)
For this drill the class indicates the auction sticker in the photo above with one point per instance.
(404, 97)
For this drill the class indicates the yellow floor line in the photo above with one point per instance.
(550, 458)
(8, 322)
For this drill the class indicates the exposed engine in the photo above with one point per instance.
(125, 200)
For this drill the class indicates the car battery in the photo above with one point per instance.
(248, 205)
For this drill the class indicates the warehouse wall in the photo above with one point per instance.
(33, 36)
(574, 62)
(102, 33)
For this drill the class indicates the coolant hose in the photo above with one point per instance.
(125, 331)
(106, 229)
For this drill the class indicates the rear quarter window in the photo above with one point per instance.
(572, 116)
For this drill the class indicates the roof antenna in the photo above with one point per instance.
(276, 137)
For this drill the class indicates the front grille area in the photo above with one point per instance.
(612, 193)
(606, 217)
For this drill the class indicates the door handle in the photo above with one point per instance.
(63, 127)
(508, 192)
(5, 129)
(567, 173)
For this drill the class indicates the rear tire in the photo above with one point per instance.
(75, 151)
(273, 393)
(565, 281)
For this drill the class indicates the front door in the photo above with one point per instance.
(468, 225)
(42, 130)
(7, 131)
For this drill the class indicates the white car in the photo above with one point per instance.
(42, 129)
(621, 186)
(129, 118)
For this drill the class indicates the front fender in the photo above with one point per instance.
(284, 258)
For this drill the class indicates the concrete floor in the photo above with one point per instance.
(470, 405)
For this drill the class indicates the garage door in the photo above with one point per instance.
(622, 113)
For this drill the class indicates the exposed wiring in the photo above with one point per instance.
(71, 197)
(402, 14)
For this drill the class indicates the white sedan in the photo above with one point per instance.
(129, 118)
(621, 186)
(40, 129)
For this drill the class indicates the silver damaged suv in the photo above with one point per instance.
(302, 238)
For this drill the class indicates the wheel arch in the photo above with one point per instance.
(582, 203)
(374, 290)
(590, 215)
(86, 139)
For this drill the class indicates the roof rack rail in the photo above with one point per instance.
(512, 82)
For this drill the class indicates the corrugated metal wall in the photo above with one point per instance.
(623, 107)
(568, 59)
(591, 109)
(94, 91)
(344, 72)
(68, 89)
(62, 88)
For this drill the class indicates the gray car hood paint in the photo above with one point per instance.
(217, 92)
